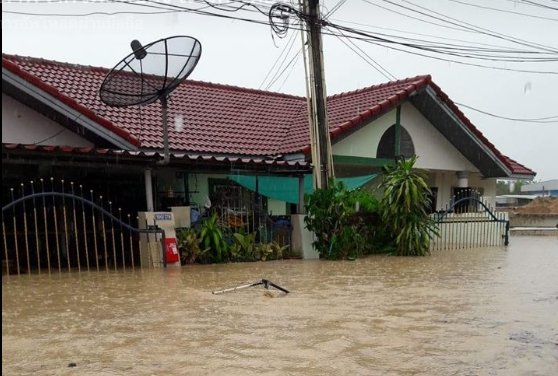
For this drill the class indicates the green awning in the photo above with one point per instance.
(286, 188)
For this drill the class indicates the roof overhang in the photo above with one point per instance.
(444, 119)
(14, 154)
(12, 82)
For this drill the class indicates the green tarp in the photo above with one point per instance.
(286, 188)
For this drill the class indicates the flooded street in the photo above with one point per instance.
(487, 311)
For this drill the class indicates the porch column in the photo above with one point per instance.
(462, 179)
(397, 151)
(148, 189)
(301, 209)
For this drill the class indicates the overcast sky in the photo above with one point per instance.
(244, 54)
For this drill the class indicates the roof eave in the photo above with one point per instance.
(460, 135)
(87, 119)
(344, 130)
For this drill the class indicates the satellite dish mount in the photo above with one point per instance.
(151, 73)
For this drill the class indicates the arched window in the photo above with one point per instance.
(386, 147)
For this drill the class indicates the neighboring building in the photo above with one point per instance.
(54, 124)
(512, 201)
(543, 188)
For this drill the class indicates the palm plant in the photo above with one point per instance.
(404, 208)
(211, 235)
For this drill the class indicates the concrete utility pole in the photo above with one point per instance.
(319, 130)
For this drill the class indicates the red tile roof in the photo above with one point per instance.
(226, 120)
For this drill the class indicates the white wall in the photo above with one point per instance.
(23, 125)
(446, 181)
(364, 142)
(433, 150)
(199, 186)
(435, 153)
(276, 207)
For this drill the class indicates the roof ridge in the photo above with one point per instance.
(426, 77)
(243, 89)
(39, 60)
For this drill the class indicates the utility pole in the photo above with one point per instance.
(319, 130)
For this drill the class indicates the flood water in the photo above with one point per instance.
(487, 311)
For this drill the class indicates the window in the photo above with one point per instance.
(386, 147)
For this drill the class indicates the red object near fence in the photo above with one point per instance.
(171, 250)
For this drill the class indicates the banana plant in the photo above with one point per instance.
(211, 235)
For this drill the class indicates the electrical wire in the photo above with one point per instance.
(457, 61)
(538, 4)
(298, 55)
(291, 63)
(456, 25)
(466, 25)
(364, 56)
(503, 10)
(335, 8)
(543, 120)
(86, 14)
(469, 43)
(444, 51)
(286, 49)
(280, 20)
(50, 137)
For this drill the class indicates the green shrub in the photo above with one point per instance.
(243, 247)
(211, 235)
(344, 222)
(270, 251)
(189, 245)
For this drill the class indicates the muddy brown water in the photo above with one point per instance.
(487, 311)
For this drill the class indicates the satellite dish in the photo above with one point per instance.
(151, 73)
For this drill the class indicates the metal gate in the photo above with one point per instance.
(470, 223)
(46, 231)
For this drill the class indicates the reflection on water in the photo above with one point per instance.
(467, 312)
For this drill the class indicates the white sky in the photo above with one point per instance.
(240, 53)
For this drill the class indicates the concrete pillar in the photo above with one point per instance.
(301, 209)
(148, 189)
(462, 179)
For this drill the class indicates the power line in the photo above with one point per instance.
(543, 120)
(283, 57)
(291, 63)
(426, 35)
(538, 4)
(443, 51)
(455, 61)
(364, 56)
(503, 10)
(335, 8)
(299, 53)
(284, 12)
(86, 14)
(468, 26)
(458, 50)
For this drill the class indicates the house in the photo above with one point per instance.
(55, 125)
(542, 188)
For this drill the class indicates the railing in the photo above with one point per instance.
(60, 231)
(470, 223)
